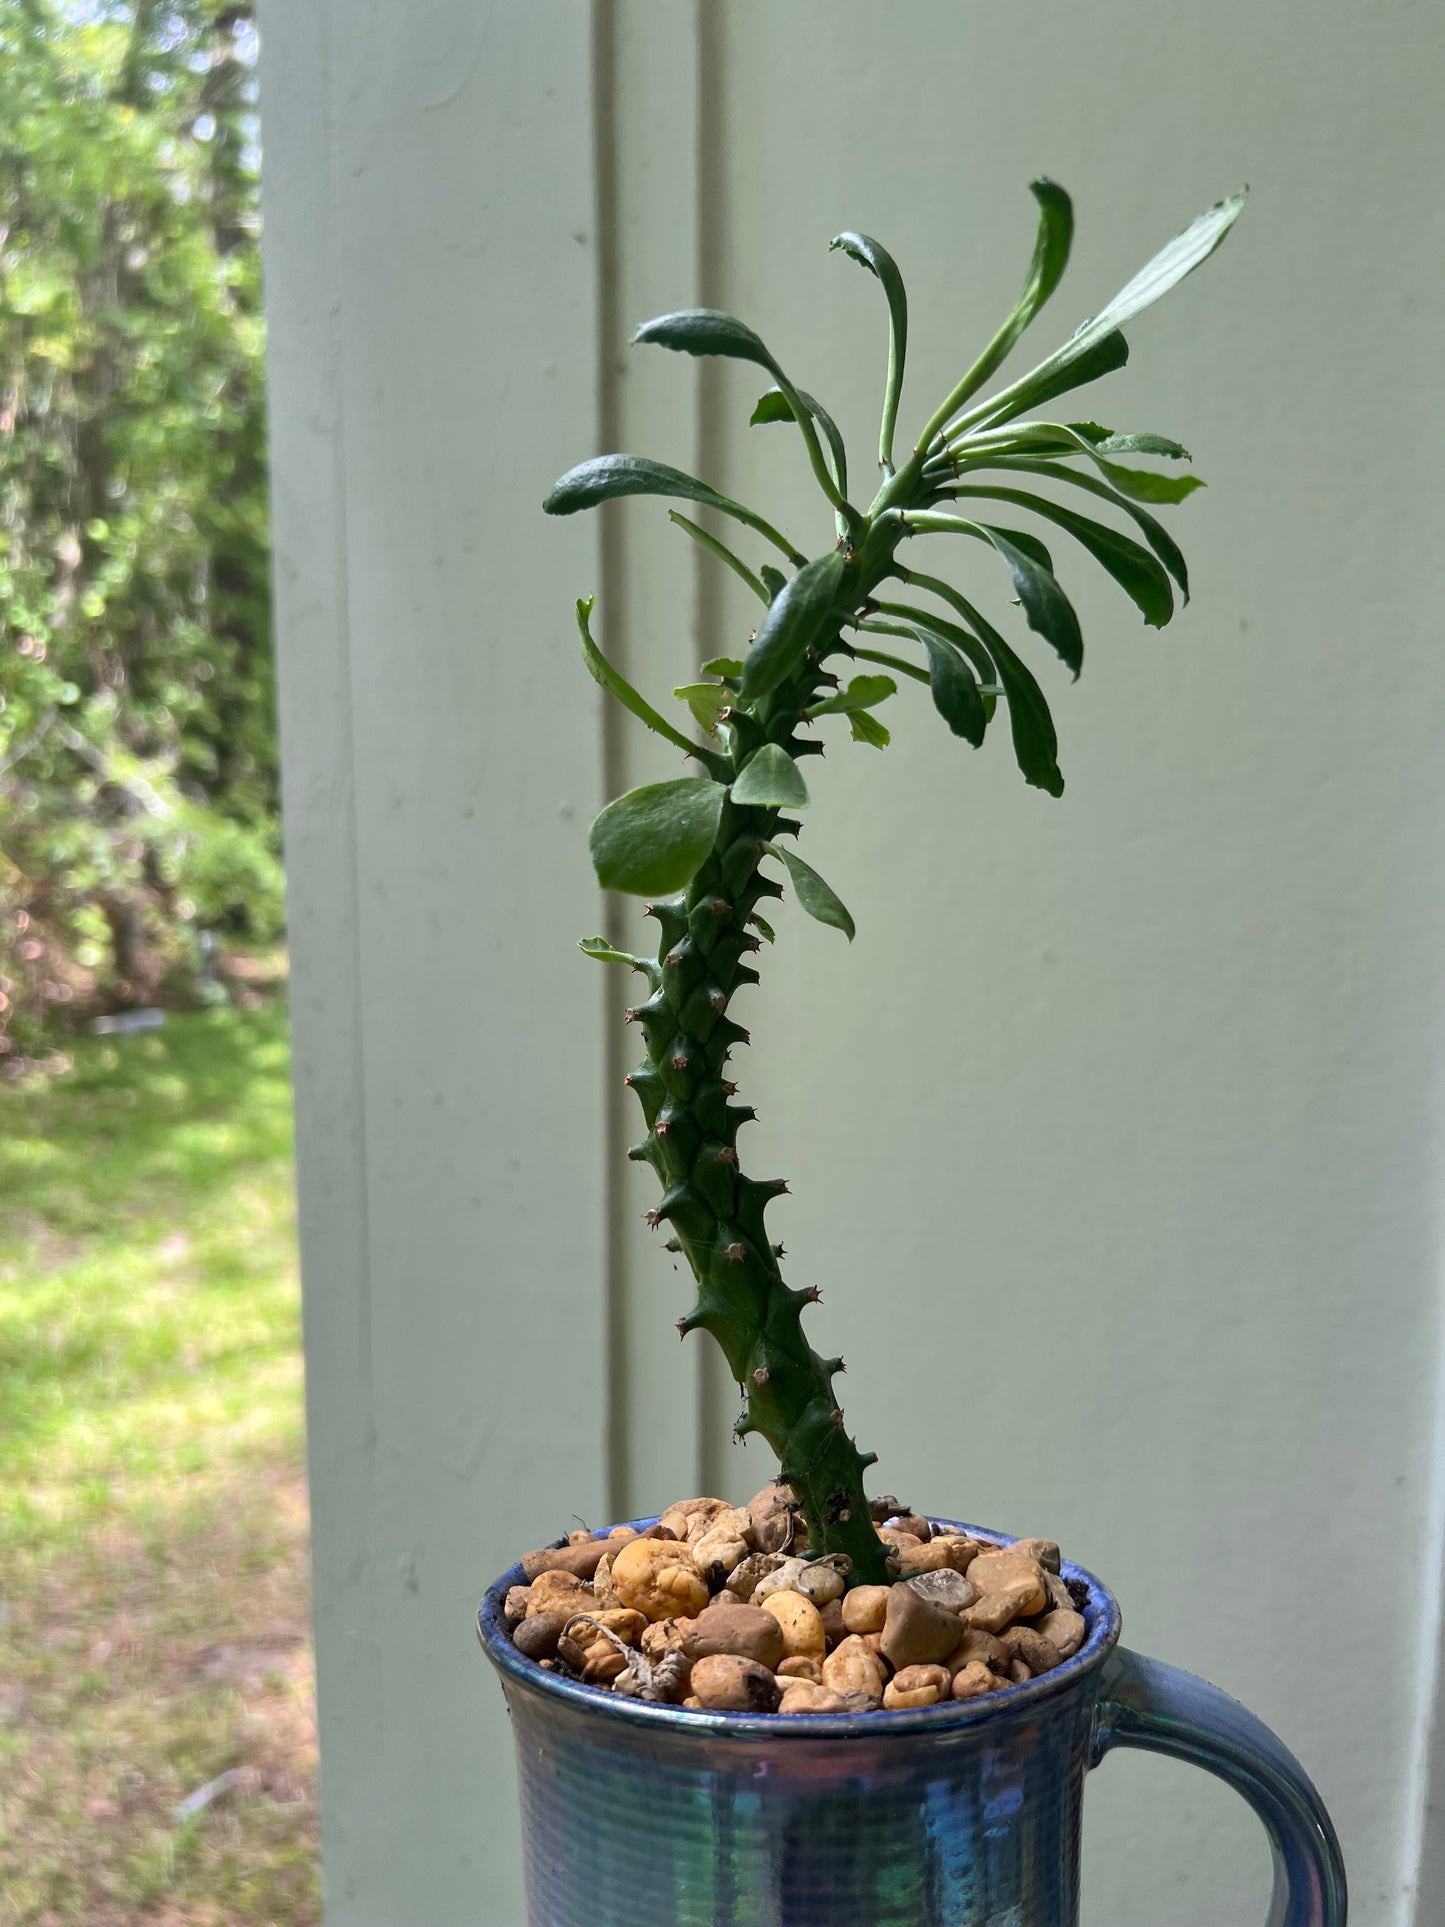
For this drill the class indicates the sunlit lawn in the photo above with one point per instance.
(153, 1613)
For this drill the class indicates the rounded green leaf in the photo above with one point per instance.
(707, 331)
(706, 700)
(654, 840)
(771, 779)
(796, 618)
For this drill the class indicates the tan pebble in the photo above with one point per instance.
(514, 1606)
(808, 1696)
(934, 1557)
(619, 1533)
(537, 1636)
(801, 1622)
(865, 1608)
(628, 1625)
(744, 1579)
(658, 1579)
(912, 1522)
(784, 1577)
(916, 1686)
(602, 1663)
(582, 1538)
(963, 1548)
(581, 1560)
(874, 1643)
(772, 1519)
(662, 1638)
(822, 1580)
(852, 1668)
(899, 1541)
(602, 1583)
(993, 1571)
(719, 1550)
(834, 1627)
(658, 1531)
(945, 1588)
(746, 1630)
(971, 1682)
(1019, 1673)
(1043, 1552)
(915, 1633)
(1065, 1631)
(678, 1518)
(977, 1648)
(694, 1702)
(1061, 1600)
(1036, 1652)
(800, 1666)
(555, 1592)
(992, 1611)
(728, 1684)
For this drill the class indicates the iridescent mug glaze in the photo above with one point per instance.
(961, 1815)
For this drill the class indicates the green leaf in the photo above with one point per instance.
(1050, 258)
(969, 645)
(722, 666)
(868, 729)
(1032, 547)
(1036, 745)
(774, 580)
(1049, 381)
(1137, 573)
(603, 951)
(617, 685)
(863, 692)
(775, 407)
(1058, 438)
(882, 656)
(816, 896)
(956, 694)
(654, 840)
(706, 700)
(764, 928)
(1154, 531)
(606, 477)
(707, 331)
(794, 621)
(872, 255)
(1047, 608)
(720, 550)
(770, 779)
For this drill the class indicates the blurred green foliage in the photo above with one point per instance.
(137, 738)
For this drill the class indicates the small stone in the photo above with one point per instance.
(807, 1696)
(557, 1592)
(834, 1627)
(801, 1623)
(945, 1588)
(1019, 1673)
(694, 1703)
(580, 1561)
(992, 1611)
(1037, 1653)
(718, 1551)
(916, 1686)
(934, 1557)
(745, 1630)
(602, 1663)
(582, 1538)
(514, 1606)
(725, 1683)
(784, 1577)
(964, 1549)
(678, 1519)
(978, 1648)
(620, 1533)
(658, 1579)
(628, 1625)
(744, 1579)
(971, 1682)
(898, 1541)
(537, 1636)
(1060, 1598)
(914, 1632)
(911, 1522)
(799, 1666)
(1043, 1552)
(772, 1518)
(1065, 1631)
(865, 1608)
(852, 1668)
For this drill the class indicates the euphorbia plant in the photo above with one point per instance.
(708, 849)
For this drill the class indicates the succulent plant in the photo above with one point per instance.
(711, 850)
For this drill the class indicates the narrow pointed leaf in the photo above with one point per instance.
(817, 897)
(1086, 438)
(720, 550)
(1153, 531)
(881, 655)
(773, 406)
(771, 780)
(764, 929)
(606, 477)
(707, 331)
(603, 951)
(1048, 609)
(797, 618)
(956, 694)
(1036, 746)
(617, 685)
(706, 700)
(773, 580)
(1050, 380)
(872, 255)
(863, 692)
(867, 729)
(654, 840)
(1137, 572)
(953, 632)
(1032, 547)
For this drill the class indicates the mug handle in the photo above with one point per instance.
(1146, 1704)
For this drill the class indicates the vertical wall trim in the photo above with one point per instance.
(1423, 1858)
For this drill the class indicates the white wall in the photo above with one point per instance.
(1116, 1135)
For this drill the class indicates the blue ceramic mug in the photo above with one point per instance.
(960, 1815)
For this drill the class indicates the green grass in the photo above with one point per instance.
(152, 1509)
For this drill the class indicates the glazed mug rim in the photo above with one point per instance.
(1101, 1618)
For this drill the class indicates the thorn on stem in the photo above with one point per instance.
(760, 1376)
(735, 1253)
(654, 1219)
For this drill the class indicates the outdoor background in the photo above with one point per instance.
(154, 1624)
(1115, 1139)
